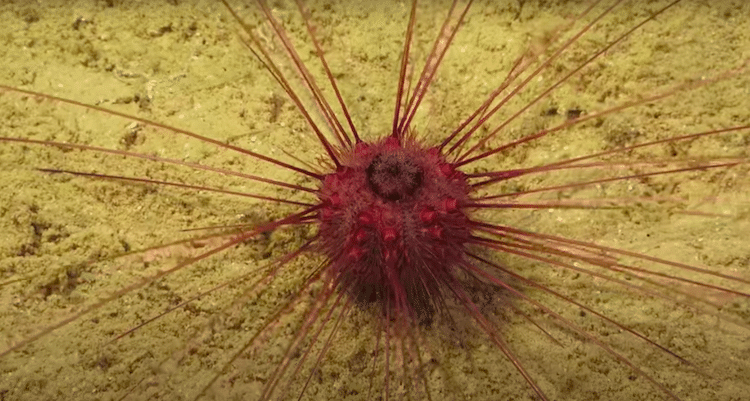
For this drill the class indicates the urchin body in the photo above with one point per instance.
(393, 225)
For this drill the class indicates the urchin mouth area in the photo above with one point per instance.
(393, 177)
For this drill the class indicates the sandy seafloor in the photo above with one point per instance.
(181, 63)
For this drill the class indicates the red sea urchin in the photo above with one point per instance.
(392, 226)
(622, 248)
